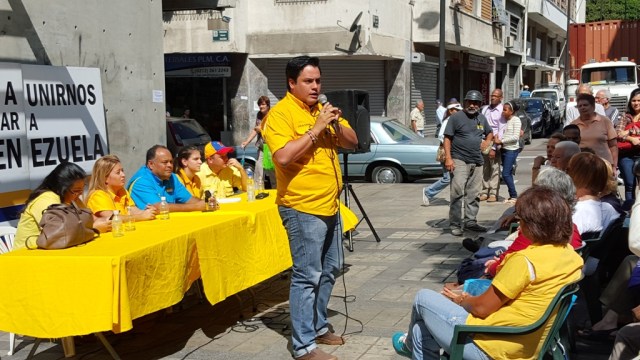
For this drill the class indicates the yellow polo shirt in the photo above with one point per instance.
(312, 183)
(554, 267)
(193, 186)
(28, 225)
(100, 200)
(228, 178)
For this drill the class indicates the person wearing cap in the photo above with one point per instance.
(428, 193)
(525, 93)
(492, 160)
(417, 119)
(156, 179)
(463, 146)
(219, 174)
(303, 136)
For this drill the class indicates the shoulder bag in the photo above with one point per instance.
(63, 226)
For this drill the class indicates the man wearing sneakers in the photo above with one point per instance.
(463, 145)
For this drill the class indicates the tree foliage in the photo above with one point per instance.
(598, 10)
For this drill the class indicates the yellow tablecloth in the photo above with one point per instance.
(104, 284)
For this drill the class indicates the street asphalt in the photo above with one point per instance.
(370, 301)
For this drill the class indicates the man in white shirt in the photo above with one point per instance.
(572, 110)
(417, 119)
(602, 98)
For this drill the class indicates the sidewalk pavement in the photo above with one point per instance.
(370, 301)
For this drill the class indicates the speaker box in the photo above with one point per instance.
(355, 109)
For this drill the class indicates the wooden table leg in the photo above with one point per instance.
(69, 346)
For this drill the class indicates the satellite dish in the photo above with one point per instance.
(354, 25)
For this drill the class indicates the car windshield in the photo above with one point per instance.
(187, 129)
(398, 132)
(534, 106)
(546, 94)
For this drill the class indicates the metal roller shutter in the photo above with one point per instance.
(365, 75)
(424, 85)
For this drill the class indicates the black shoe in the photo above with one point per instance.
(475, 227)
(472, 245)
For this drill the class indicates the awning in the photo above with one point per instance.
(533, 64)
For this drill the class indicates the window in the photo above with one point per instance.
(514, 27)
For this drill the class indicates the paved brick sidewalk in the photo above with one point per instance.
(378, 286)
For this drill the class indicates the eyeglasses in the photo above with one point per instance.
(76, 192)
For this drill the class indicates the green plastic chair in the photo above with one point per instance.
(552, 345)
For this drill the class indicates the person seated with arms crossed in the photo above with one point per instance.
(63, 185)
(156, 179)
(520, 293)
(219, 174)
(107, 192)
(541, 161)
(186, 166)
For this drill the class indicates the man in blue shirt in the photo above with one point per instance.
(156, 179)
(525, 93)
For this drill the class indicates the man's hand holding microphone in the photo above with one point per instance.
(329, 114)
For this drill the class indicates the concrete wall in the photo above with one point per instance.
(120, 37)
(464, 31)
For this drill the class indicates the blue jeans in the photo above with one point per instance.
(432, 321)
(439, 185)
(508, 161)
(315, 248)
(625, 164)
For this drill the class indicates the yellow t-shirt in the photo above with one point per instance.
(100, 200)
(193, 186)
(28, 225)
(554, 267)
(228, 178)
(310, 184)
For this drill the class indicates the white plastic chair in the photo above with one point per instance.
(7, 235)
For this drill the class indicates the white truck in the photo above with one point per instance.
(619, 77)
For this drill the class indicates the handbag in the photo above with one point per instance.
(267, 160)
(63, 226)
(440, 155)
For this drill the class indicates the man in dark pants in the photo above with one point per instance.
(463, 145)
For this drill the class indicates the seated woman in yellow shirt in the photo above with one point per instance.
(64, 184)
(186, 166)
(107, 192)
(520, 293)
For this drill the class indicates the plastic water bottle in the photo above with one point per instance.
(251, 190)
(116, 224)
(164, 209)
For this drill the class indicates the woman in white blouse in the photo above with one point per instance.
(510, 148)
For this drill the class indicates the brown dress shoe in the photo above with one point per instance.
(317, 354)
(329, 338)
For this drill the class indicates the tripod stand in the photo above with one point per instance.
(348, 191)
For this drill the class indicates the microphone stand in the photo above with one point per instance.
(348, 189)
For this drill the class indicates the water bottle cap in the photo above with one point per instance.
(162, 198)
(116, 212)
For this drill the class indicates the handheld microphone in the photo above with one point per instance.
(322, 99)
(207, 195)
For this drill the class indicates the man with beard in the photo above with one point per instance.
(463, 145)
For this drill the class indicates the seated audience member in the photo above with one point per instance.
(520, 293)
(571, 132)
(589, 175)
(186, 166)
(107, 192)
(218, 173)
(610, 193)
(64, 185)
(156, 179)
(563, 152)
(556, 180)
(541, 161)
(627, 342)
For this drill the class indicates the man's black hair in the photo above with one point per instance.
(151, 153)
(571, 127)
(295, 66)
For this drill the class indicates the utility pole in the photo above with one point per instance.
(441, 44)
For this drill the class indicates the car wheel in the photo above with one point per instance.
(386, 174)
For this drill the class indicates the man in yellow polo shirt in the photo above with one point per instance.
(218, 173)
(303, 137)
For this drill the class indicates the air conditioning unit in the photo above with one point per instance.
(508, 43)
(418, 57)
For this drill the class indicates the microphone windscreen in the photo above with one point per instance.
(322, 99)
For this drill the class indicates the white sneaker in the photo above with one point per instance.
(425, 198)
(620, 181)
